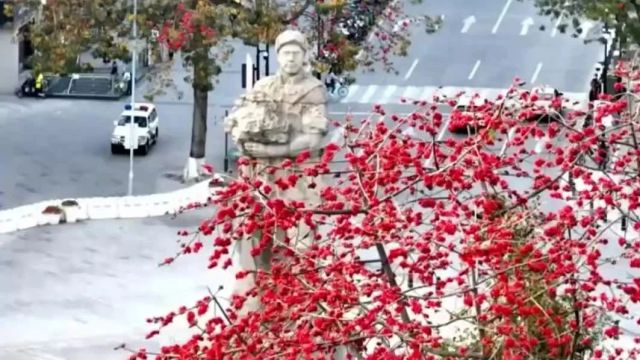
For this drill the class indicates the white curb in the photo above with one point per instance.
(95, 208)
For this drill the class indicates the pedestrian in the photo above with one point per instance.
(39, 84)
(596, 88)
(330, 81)
(127, 77)
(114, 69)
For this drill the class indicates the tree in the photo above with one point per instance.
(198, 30)
(470, 264)
(620, 15)
(63, 29)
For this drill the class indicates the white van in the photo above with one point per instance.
(145, 131)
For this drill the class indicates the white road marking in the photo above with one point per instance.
(586, 26)
(369, 93)
(536, 73)
(474, 70)
(554, 32)
(352, 90)
(411, 93)
(526, 24)
(388, 92)
(467, 22)
(501, 17)
(391, 94)
(413, 66)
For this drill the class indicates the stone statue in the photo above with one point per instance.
(281, 116)
(285, 113)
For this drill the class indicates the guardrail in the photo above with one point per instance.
(53, 212)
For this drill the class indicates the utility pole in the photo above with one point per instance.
(133, 139)
(605, 65)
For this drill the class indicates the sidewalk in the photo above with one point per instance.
(75, 291)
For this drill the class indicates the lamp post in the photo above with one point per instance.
(605, 64)
(134, 59)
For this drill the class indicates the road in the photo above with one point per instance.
(481, 48)
(59, 148)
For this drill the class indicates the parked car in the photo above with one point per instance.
(546, 101)
(469, 114)
(145, 132)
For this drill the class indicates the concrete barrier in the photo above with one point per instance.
(102, 208)
(130, 207)
(160, 204)
(96, 208)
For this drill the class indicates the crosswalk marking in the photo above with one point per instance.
(393, 94)
(371, 90)
(411, 93)
(353, 89)
(391, 89)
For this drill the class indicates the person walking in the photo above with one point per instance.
(596, 88)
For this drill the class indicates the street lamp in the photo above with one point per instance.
(132, 124)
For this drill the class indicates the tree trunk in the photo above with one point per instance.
(193, 169)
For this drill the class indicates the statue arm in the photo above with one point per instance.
(314, 127)
(298, 143)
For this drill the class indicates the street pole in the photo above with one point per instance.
(266, 61)
(605, 66)
(132, 124)
(258, 61)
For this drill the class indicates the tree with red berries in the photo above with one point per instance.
(482, 246)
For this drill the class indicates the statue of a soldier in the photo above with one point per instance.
(280, 117)
(283, 114)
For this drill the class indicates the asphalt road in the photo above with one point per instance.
(62, 149)
(482, 47)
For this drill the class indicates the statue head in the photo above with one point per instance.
(291, 47)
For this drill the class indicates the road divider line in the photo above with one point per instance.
(536, 73)
(474, 70)
(501, 17)
(413, 66)
(554, 32)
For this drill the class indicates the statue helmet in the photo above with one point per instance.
(291, 37)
